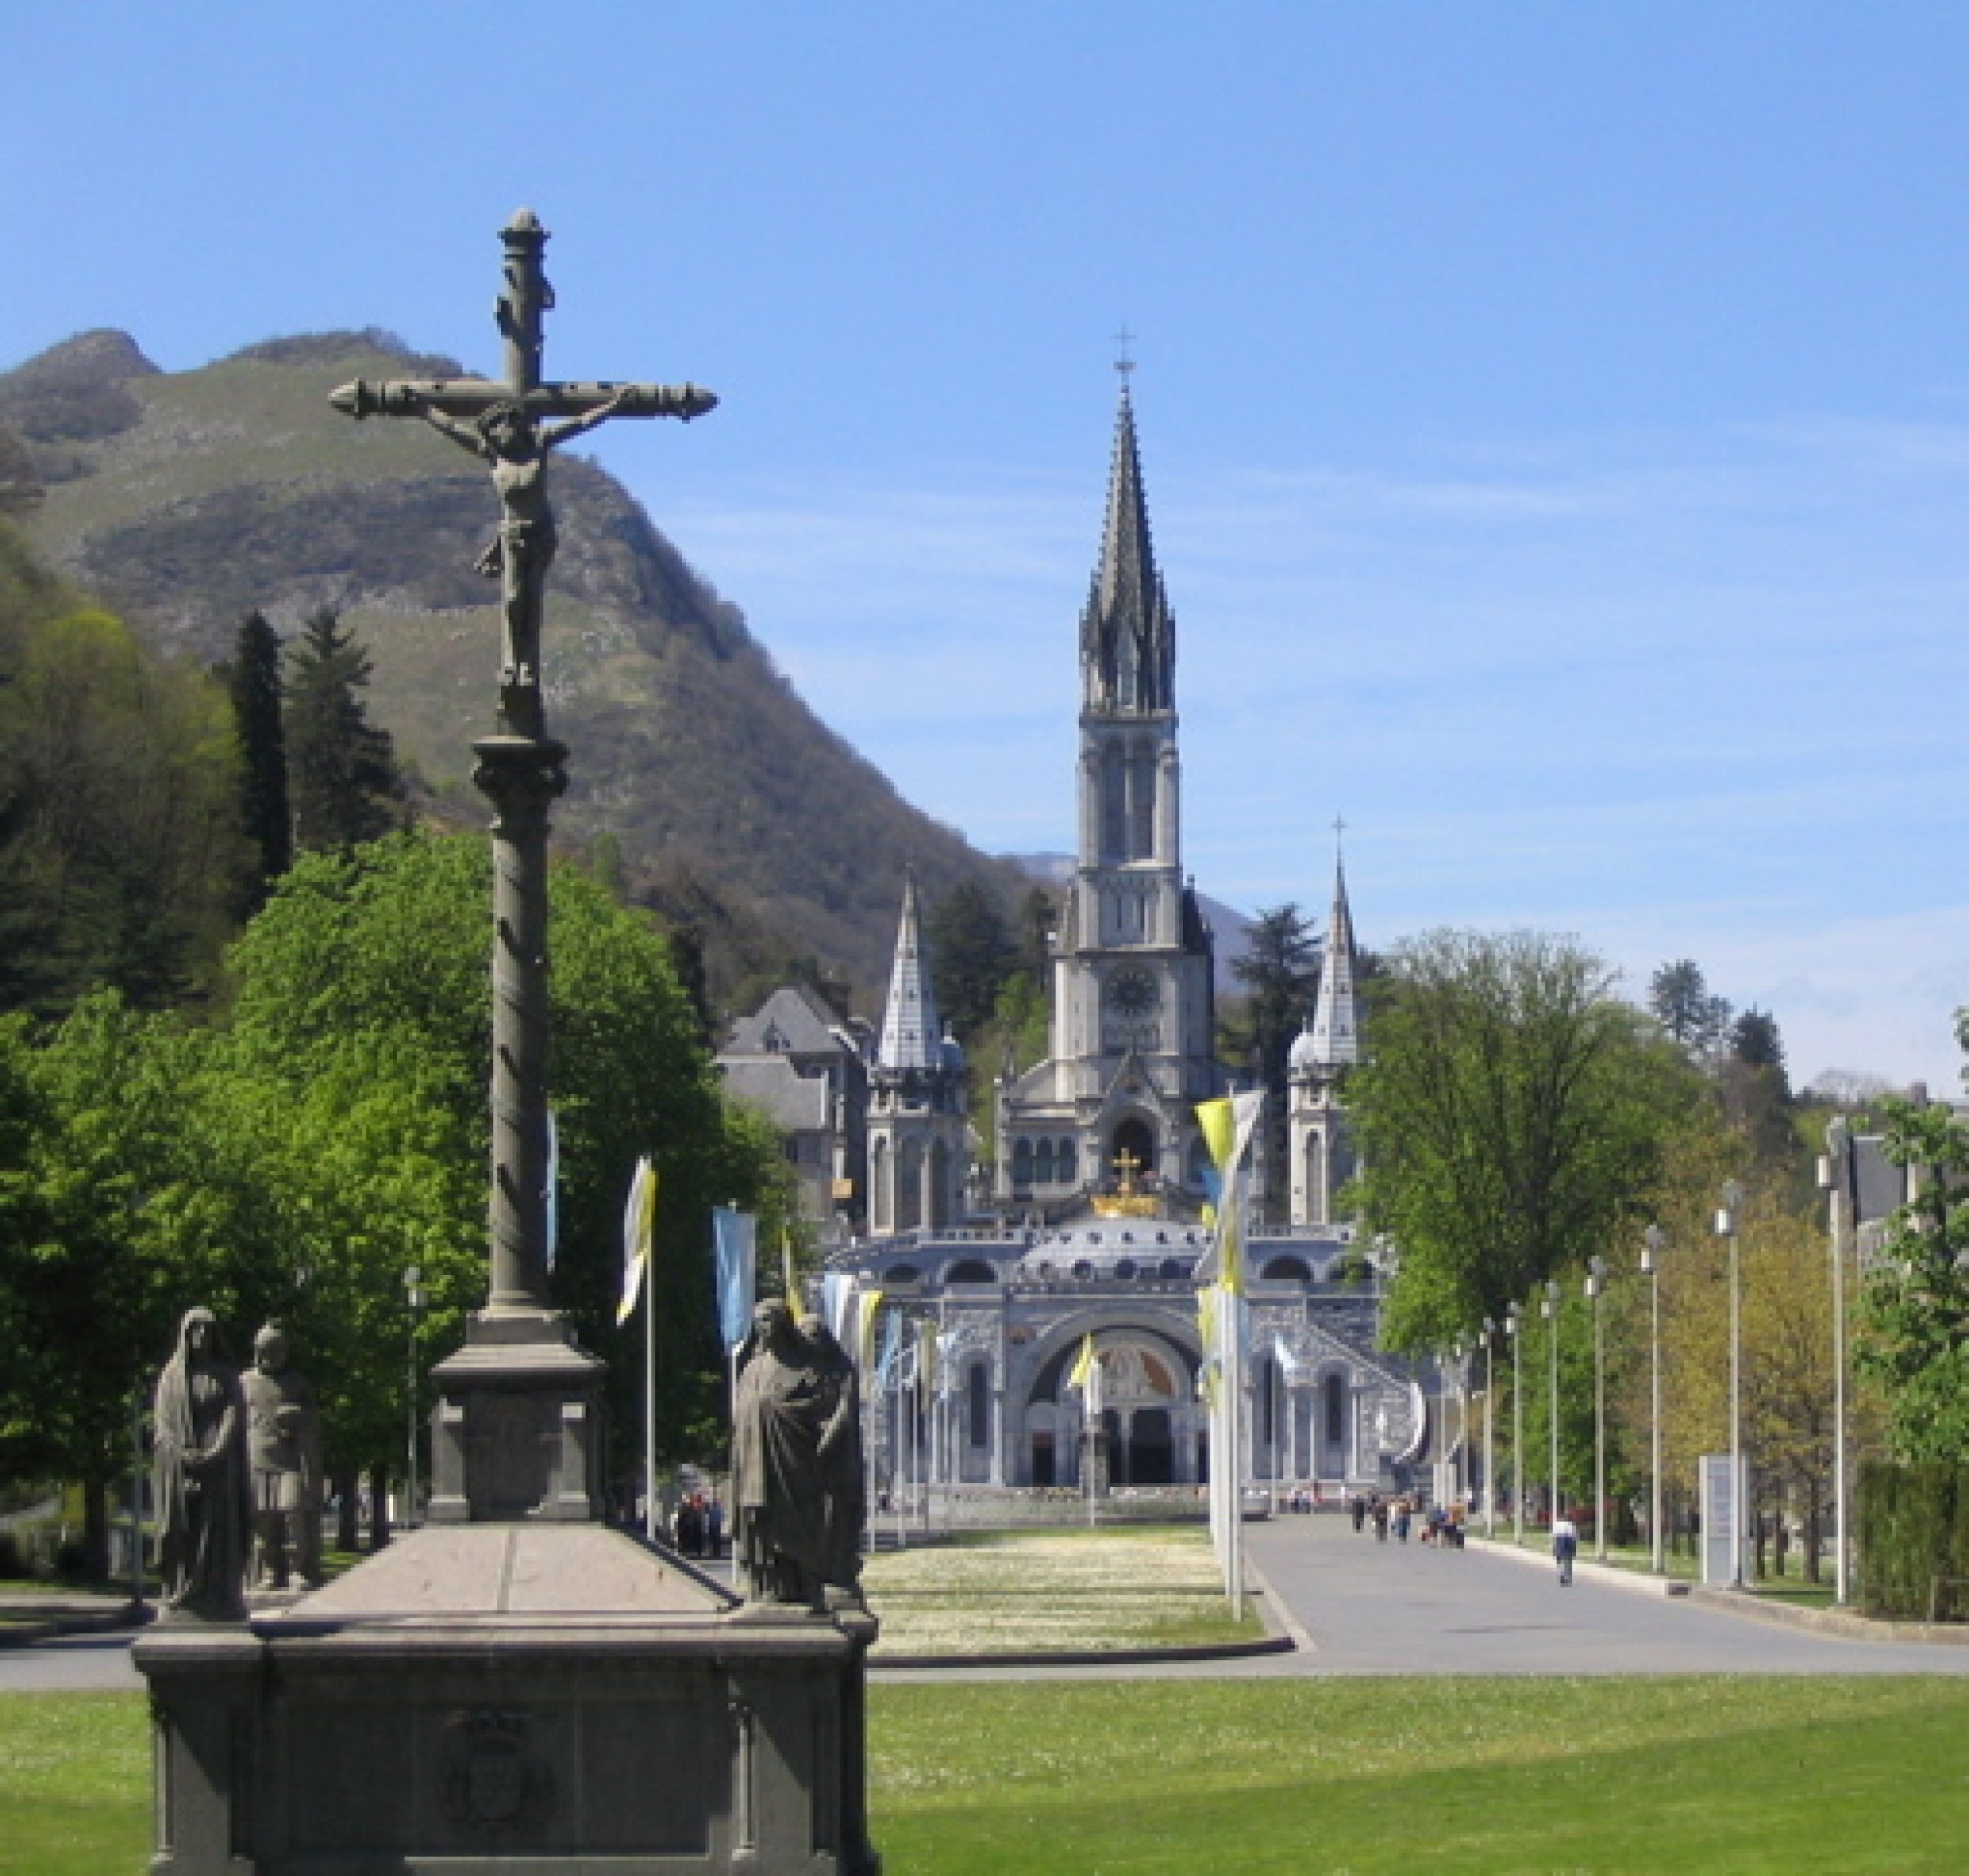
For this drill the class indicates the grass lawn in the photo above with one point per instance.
(74, 1784)
(1128, 1778)
(1159, 1778)
(1001, 1592)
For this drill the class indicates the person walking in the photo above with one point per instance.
(1380, 1519)
(1565, 1547)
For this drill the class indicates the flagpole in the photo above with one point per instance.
(649, 1405)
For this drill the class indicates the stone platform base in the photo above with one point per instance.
(486, 1698)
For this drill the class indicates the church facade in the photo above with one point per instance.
(1097, 1182)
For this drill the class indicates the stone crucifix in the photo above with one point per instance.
(504, 423)
(512, 426)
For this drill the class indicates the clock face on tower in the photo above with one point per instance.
(1134, 1001)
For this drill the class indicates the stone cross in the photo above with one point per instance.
(520, 1389)
(502, 423)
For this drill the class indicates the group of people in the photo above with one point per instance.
(698, 1525)
(1442, 1525)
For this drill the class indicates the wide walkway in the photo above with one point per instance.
(1370, 1608)
(1391, 1608)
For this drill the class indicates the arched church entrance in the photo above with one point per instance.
(1141, 1383)
(1133, 1147)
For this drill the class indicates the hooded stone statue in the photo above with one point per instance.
(204, 1502)
(796, 1444)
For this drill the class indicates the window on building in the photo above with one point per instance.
(1043, 1163)
(1023, 1163)
(1065, 1163)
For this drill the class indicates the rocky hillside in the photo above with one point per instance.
(184, 500)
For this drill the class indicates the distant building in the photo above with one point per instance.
(805, 1068)
(1093, 1226)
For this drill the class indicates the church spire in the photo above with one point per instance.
(1128, 639)
(912, 1037)
(1335, 1027)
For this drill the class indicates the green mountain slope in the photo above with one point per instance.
(185, 499)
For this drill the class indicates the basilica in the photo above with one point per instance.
(1087, 1216)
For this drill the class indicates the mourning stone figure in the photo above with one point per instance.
(796, 1440)
(204, 1511)
(843, 1479)
(283, 1451)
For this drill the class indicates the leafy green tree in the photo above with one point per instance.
(1915, 1309)
(253, 682)
(120, 849)
(972, 955)
(368, 967)
(1678, 999)
(342, 779)
(136, 1213)
(1512, 1115)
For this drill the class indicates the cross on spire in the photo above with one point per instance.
(1124, 362)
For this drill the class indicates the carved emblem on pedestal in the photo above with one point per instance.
(490, 1776)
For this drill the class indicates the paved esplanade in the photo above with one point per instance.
(1371, 1609)
(1391, 1608)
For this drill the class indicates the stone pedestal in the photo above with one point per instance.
(482, 1698)
(518, 1431)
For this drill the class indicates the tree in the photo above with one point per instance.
(253, 681)
(342, 774)
(972, 955)
(1915, 1311)
(120, 849)
(1512, 1115)
(368, 969)
(1279, 970)
(1678, 999)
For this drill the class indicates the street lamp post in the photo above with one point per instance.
(1836, 1177)
(1726, 1227)
(1549, 1307)
(1596, 1288)
(1652, 1240)
(1490, 1428)
(1459, 1467)
(414, 1299)
(1514, 1324)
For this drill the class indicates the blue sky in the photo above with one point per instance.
(1556, 418)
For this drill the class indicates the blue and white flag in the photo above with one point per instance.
(885, 1374)
(735, 1243)
(837, 1293)
(553, 1188)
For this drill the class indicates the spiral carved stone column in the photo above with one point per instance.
(522, 777)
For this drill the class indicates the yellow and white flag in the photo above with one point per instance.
(1083, 1364)
(789, 1273)
(639, 1231)
(869, 1302)
(1228, 1126)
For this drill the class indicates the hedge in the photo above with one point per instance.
(1912, 1526)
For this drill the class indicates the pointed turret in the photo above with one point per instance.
(1335, 1032)
(1127, 637)
(912, 1035)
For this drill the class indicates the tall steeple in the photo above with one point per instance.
(912, 1035)
(918, 1134)
(1128, 636)
(1336, 1025)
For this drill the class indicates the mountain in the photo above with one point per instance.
(183, 500)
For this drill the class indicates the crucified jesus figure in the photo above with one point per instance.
(517, 447)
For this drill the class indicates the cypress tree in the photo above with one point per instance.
(342, 779)
(253, 681)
